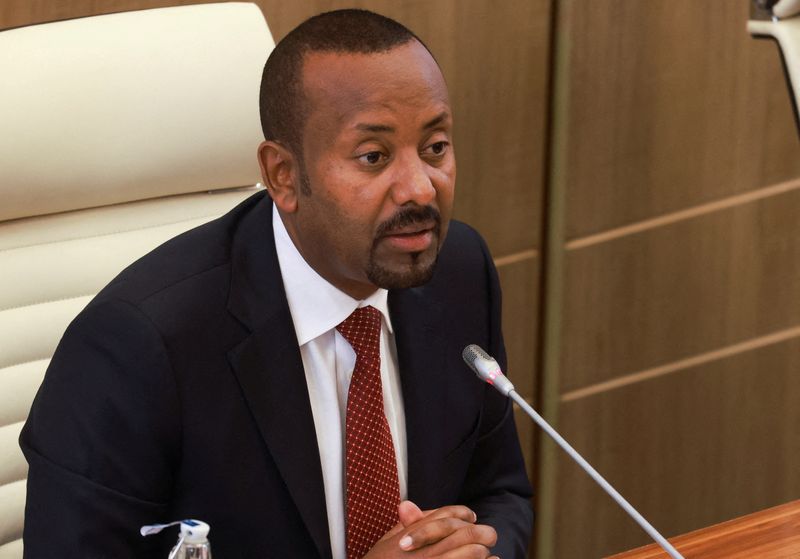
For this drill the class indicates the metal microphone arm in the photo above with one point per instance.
(646, 526)
(488, 370)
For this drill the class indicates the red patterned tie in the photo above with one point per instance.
(373, 491)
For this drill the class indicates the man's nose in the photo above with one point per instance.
(413, 182)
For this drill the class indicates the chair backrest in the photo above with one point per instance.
(117, 132)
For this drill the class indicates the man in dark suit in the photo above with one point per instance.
(191, 386)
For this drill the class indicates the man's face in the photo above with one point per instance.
(380, 168)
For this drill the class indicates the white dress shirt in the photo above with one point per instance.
(317, 307)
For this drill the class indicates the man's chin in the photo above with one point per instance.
(418, 272)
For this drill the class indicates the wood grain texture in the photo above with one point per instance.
(670, 104)
(664, 106)
(526, 432)
(687, 450)
(768, 534)
(519, 282)
(672, 292)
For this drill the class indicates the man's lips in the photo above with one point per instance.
(411, 238)
(412, 229)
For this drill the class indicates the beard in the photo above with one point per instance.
(419, 270)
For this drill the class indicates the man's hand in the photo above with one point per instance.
(446, 533)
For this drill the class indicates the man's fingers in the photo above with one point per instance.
(455, 511)
(472, 540)
(393, 531)
(451, 532)
(473, 551)
(429, 532)
(409, 513)
(480, 534)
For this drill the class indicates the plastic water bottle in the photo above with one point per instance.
(192, 541)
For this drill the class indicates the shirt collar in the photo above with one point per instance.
(316, 305)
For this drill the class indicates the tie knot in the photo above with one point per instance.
(362, 329)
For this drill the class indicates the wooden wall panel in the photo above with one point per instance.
(687, 450)
(526, 431)
(519, 281)
(670, 104)
(672, 257)
(682, 289)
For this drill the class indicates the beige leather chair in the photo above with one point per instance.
(117, 132)
(781, 22)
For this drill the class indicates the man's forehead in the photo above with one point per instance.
(412, 52)
(363, 122)
(356, 84)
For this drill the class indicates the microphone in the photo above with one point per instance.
(489, 371)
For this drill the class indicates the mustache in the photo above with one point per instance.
(409, 216)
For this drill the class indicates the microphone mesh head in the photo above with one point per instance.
(486, 368)
(473, 352)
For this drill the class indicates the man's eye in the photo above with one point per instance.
(371, 158)
(437, 148)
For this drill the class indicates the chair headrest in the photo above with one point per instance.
(129, 106)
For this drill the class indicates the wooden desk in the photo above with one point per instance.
(770, 534)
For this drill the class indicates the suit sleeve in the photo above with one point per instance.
(498, 489)
(101, 440)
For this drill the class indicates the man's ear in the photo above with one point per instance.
(280, 173)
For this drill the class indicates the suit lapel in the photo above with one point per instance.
(419, 338)
(269, 369)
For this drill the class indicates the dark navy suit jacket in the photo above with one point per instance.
(179, 392)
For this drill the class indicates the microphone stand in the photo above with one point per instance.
(489, 371)
(613, 493)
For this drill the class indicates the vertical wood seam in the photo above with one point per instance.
(551, 276)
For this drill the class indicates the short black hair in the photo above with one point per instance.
(282, 100)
